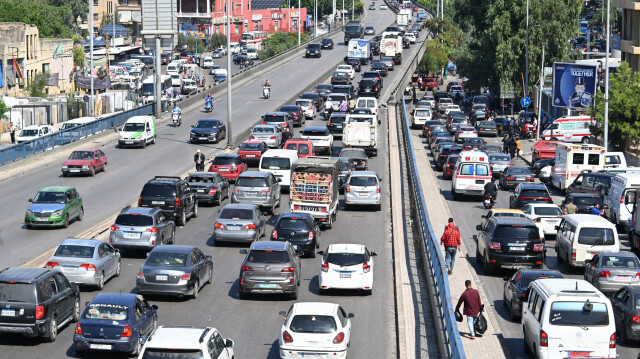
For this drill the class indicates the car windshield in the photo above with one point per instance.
(577, 313)
(107, 312)
(206, 124)
(303, 103)
(81, 155)
(275, 163)
(134, 220)
(251, 182)
(50, 197)
(340, 74)
(158, 353)
(308, 132)
(166, 259)
(274, 118)
(133, 127)
(337, 119)
(596, 236)
(268, 256)
(620, 262)
(17, 292)
(158, 190)
(586, 201)
(346, 259)
(512, 232)
(29, 133)
(236, 213)
(323, 87)
(313, 324)
(495, 158)
(547, 211)
(251, 147)
(75, 251)
(294, 224)
(519, 171)
(224, 161)
(263, 130)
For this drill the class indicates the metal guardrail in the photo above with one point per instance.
(430, 247)
(42, 144)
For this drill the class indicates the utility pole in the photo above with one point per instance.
(229, 126)
(526, 70)
(299, 23)
(315, 18)
(538, 129)
(606, 82)
(91, 54)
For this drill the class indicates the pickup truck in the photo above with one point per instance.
(315, 188)
(360, 131)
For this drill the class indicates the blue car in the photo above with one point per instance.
(115, 322)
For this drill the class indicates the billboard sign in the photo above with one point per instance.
(574, 85)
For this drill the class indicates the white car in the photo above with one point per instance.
(452, 108)
(176, 79)
(431, 100)
(420, 116)
(465, 131)
(545, 174)
(320, 136)
(187, 342)
(348, 69)
(383, 7)
(546, 216)
(32, 132)
(411, 36)
(207, 62)
(308, 108)
(188, 86)
(314, 329)
(213, 69)
(347, 266)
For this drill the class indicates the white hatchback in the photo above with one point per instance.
(546, 216)
(465, 132)
(348, 69)
(347, 266)
(314, 329)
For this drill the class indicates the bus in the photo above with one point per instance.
(148, 87)
(253, 39)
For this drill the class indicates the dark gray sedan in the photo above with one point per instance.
(209, 187)
(240, 222)
(610, 271)
(513, 176)
(174, 270)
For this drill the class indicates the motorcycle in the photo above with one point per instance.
(177, 119)
(488, 201)
(266, 92)
(208, 106)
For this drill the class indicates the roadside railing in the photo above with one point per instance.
(42, 144)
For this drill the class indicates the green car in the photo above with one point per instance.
(53, 207)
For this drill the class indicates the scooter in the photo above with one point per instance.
(266, 92)
(488, 201)
(177, 119)
(208, 106)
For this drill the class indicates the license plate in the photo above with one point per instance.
(579, 354)
(307, 208)
(128, 142)
(311, 354)
(157, 202)
(131, 235)
(8, 313)
(622, 278)
(223, 170)
(42, 219)
(345, 274)
(100, 346)
(201, 190)
(202, 138)
(517, 248)
(162, 277)
(364, 193)
(74, 171)
(267, 285)
(68, 269)
(296, 247)
(250, 156)
(233, 228)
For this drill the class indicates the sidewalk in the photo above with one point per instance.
(489, 345)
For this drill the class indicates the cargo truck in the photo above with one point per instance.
(360, 49)
(391, 46)
(353, 30)
(314, 188)
(360, 131)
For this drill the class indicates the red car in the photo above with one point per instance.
(251, 151)
(447, 171)
(415, 8)
(87, 161)
(230, 166)
(429, 83)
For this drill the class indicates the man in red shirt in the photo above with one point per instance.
(472, 303)
(451, 240)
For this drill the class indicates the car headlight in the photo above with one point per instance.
(85, 167)
(29, 213)
(57, 213)
(65, 167)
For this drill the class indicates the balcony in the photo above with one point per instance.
(186, 14)
(626, 4)
(630, 47)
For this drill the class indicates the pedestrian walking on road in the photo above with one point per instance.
(472, 303)
(451, 240)
(513, 146)
(519, 148)
(199, 159)
(570, 207)
(413, 95)
(12, 132)
(286, 135)
(505, 144)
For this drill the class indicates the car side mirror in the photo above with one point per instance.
(155, 307)
(556, 227)
(193, 126)
(116, 250)
(506, 278)
(351, 315)
(86, 304)
(208, 257)
(228, 343)
(243, 251)
(483, 216)
(282, 313)
(279, 179)
(373, 254)
(478, 227)
(320, 253)
(30, 199)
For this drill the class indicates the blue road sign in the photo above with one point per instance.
(525, 102)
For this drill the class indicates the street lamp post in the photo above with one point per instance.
(299, 23)
(526, 65)
(315, 18)
(606, 82)
(229, 126)
(353, 6)
(91, 53)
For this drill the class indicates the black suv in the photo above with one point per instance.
(526, 193)
(509, 242)
(173, 195)
(37, 302)
(300, 229)
(373, 75)
(368, 87)
(327, 44)
(314, 50)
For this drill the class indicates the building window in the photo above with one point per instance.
(275, 25)
(124, 2)
(95, 17)
(294, 25)
(246, 26)
(95, 2)
(110, 7)
(248, 5)
(45, 68)
(237, 29)
(217, 29)
(255, 25)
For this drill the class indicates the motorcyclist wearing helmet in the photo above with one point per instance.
(491, 189)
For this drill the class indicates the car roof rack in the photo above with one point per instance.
(167, 177)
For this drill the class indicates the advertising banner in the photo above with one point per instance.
(574, 85)
(84, 82)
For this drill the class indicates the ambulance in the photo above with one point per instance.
(569, 129)
(572, 159)
(471, 173)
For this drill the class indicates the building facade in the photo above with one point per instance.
(23, 54)
(630, 32)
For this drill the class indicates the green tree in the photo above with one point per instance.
(79, 56)
(108, 19)
(216, 40)
(279, 42)
(624, 112)
(36, 87)
(434, 58)
(3, 108)
(52, 21)
(79, 8)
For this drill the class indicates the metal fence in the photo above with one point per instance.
(42, 144)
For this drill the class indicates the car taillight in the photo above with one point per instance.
(529, 179)
(273, 137)
(289, 269)
(263, 123)
(475, 132)
(377, 188)
(39, 311)
(246, 269)
(79, 329)
(252, 137)
(236, 190)
(250, 226)
(366, 267)
(638, 275)
(548, 199)
(139, 200)
(114, 227)
(538, 247)
(152, 229)
(605, 274)
(126, 332)
(612, 341)
(186, 276)
(511, 178)
(219, 225)
(635, 318)
(544, 339)
(265, 191)
(213, 191)
(286, 337)
(50, 265)
(325, 266)
(88, 267)
(283, 124)
(140, 275)
(177, 202)
(311, 236)
(573, 255)
(538, 220)
(339, 338)
(494, 245)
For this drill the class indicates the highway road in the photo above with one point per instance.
(253, 324)
(467, 215)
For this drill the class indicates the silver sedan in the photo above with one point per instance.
(86, 261)
(239, 222)
(610, 271)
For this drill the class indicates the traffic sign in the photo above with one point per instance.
(525, 102)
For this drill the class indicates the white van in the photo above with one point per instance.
(32, 132)
(174, 66)
(569, 129)
(622, 196)
(207, 62)
(368, 102)
(470, 174)
(563, 318)
(252, 54)
(572, 159)
(279, 163)
(148, 87)
(138, 131)
(580, 236)
(234, 47)
(80, 121)
(615, 160)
